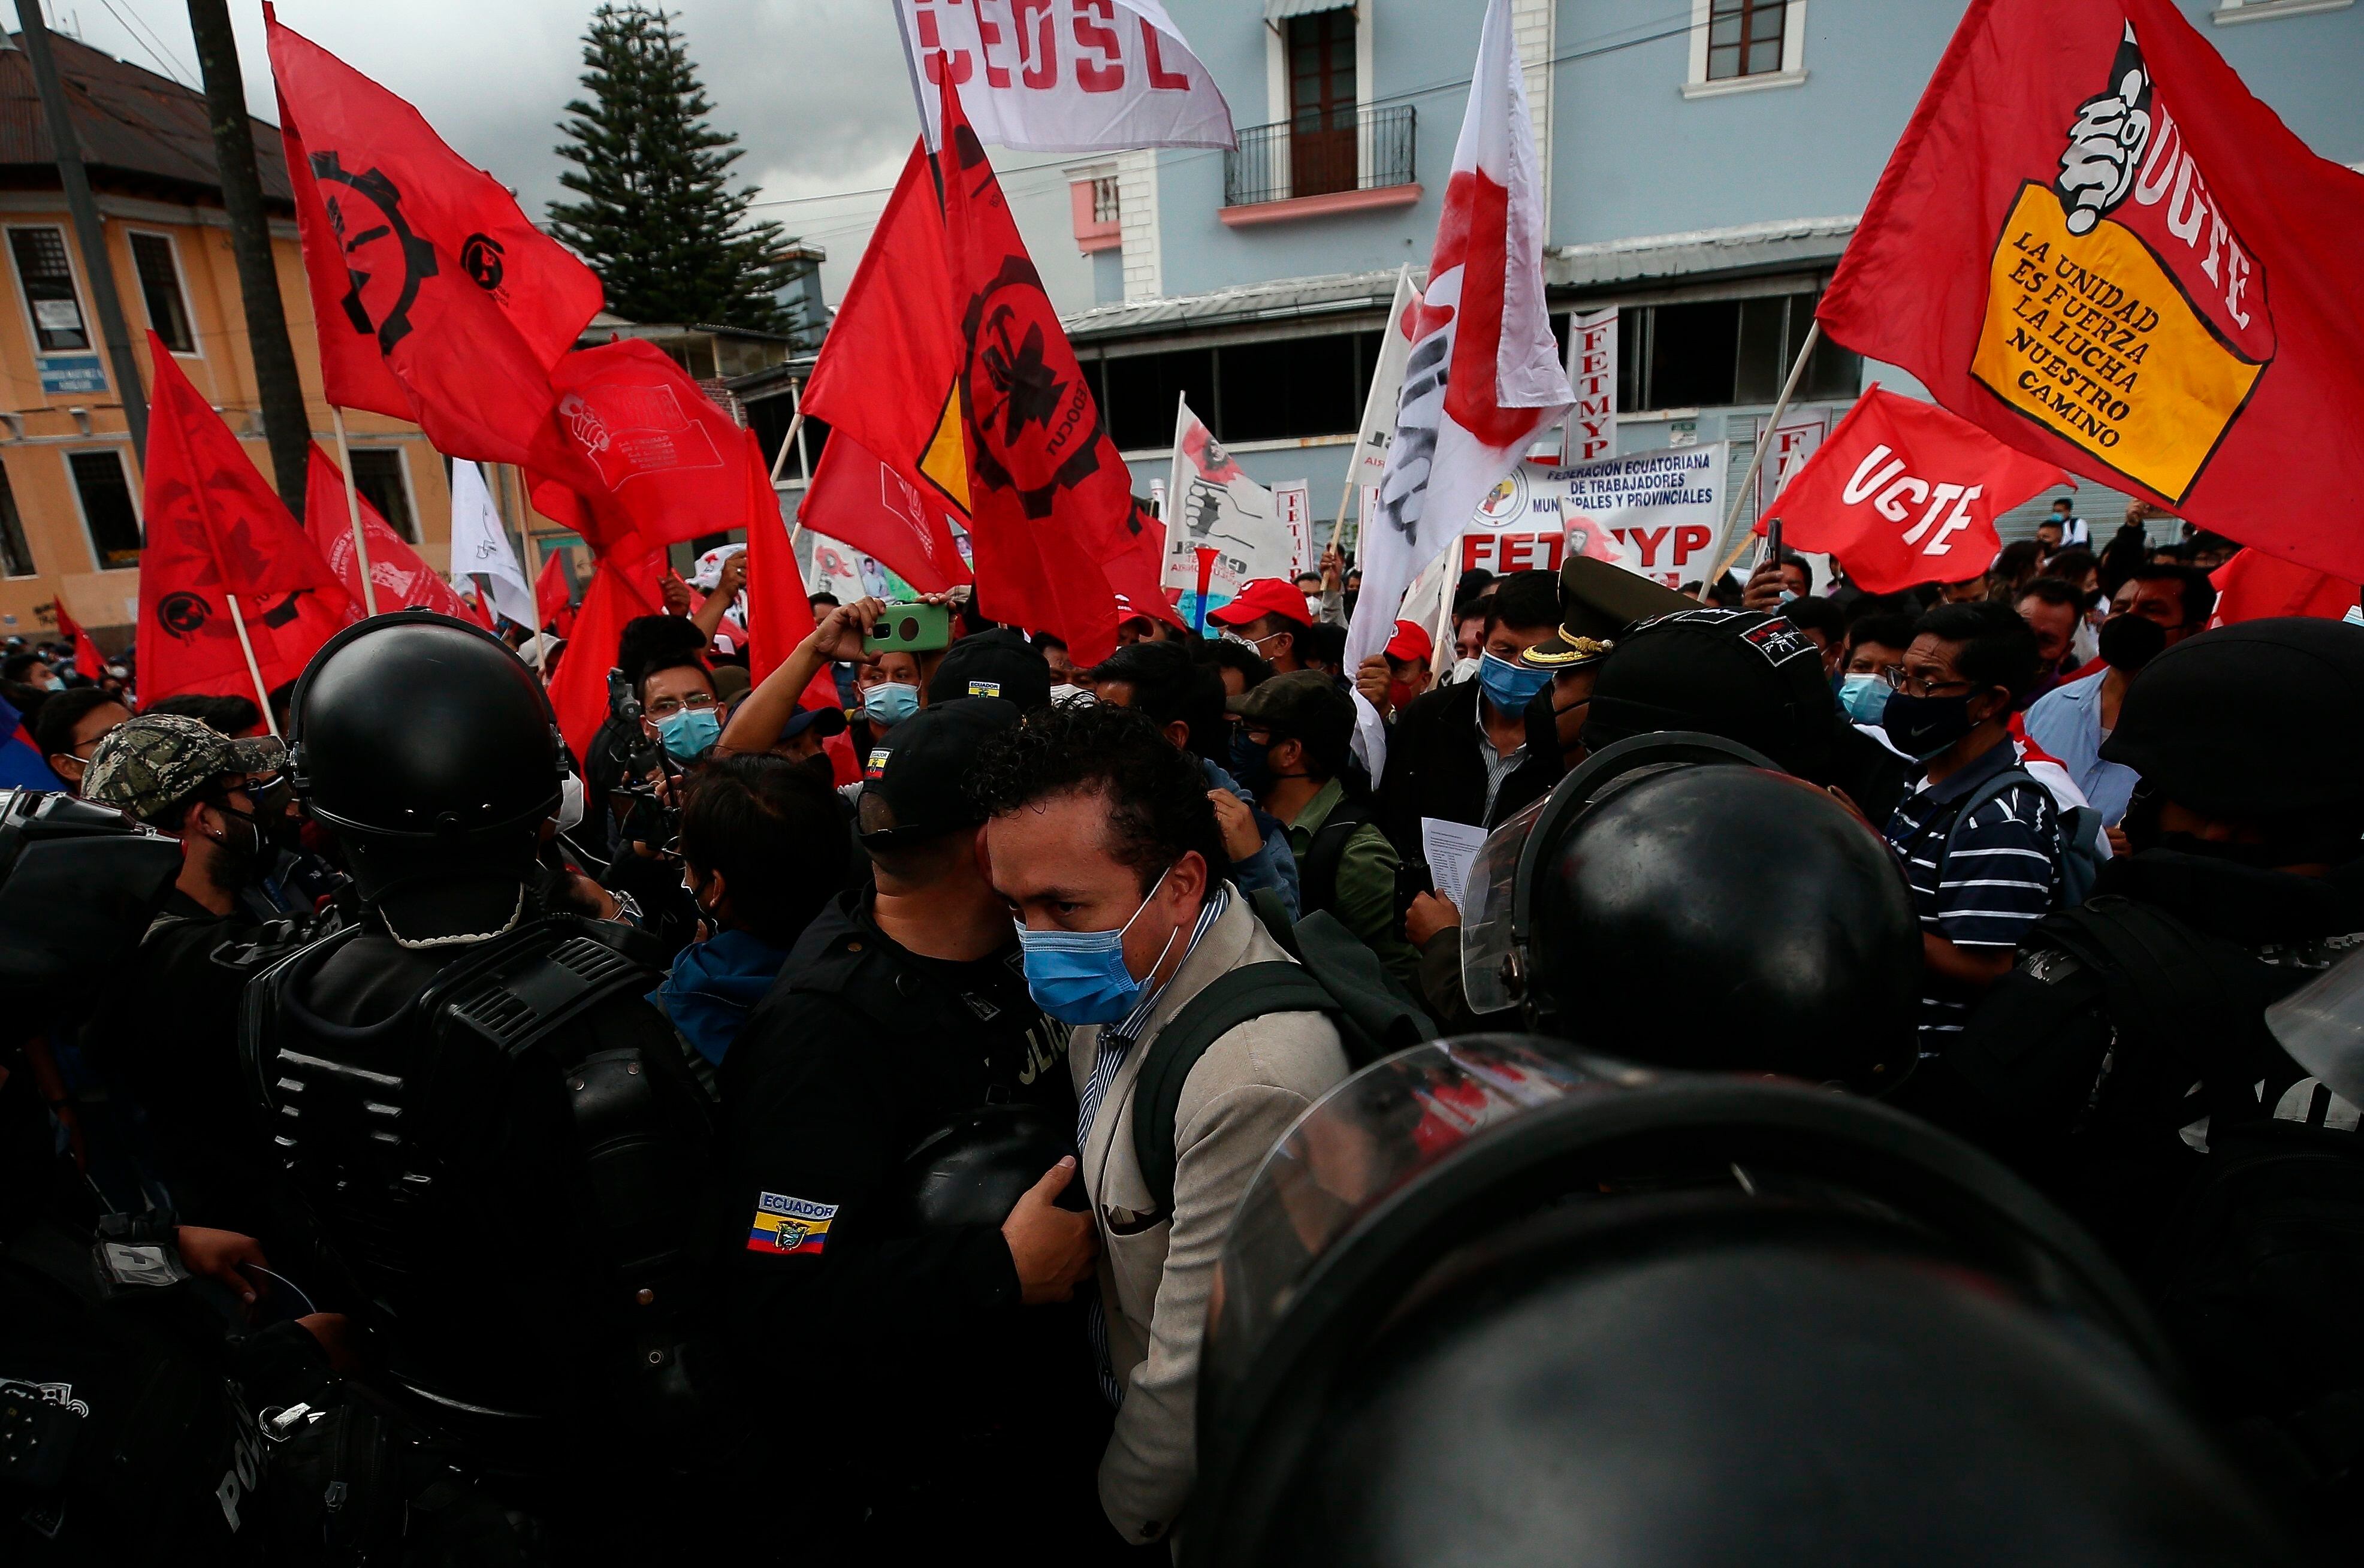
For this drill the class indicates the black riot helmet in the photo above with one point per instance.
(428, 748)
(79, 884)
(1494, 1301)
(2260, 719)
(1677, 901)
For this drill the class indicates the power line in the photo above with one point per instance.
(150, 43)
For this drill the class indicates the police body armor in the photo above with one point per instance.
(516, 1172)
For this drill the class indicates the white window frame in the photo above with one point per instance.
(89, 539)
(180, 279)
(2230, 11)
(408, 528)
(25, 300)
(1793, 56)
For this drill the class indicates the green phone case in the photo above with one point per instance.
(910, 629)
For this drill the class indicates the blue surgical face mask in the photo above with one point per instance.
(688, 732)
(1251, 763)
(1080, 977)
(1864, 697)
(891, 704)
(1510, 687)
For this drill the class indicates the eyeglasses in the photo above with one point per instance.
(1900, 679)
(665, 708)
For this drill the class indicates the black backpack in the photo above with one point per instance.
(1333, 975)
(1316, 869)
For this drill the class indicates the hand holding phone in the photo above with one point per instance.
(910, 629)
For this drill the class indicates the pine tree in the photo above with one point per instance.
(658, 221)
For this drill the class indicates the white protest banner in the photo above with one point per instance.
(1370, 464)
(1796, 438)
(1063, 75)
(1655, 513)
(480, 546)
(1592, 372)
(832, 566)
(1292, 499)
(1212, 506)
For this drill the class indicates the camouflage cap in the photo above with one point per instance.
(147, 762)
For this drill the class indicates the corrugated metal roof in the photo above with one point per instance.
(1330, 294)
(1747, 247)
(131, 122)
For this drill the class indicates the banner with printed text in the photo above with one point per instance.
(1659, 513)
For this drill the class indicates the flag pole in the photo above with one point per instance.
(246, 646)
(525, 539)
(1757, 457)
(353, 512)
(1345, 495)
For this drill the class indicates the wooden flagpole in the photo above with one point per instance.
(1345, 496)
(1757, 457)
(353, 512)
(253, 670)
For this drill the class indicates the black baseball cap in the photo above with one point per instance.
(921, 767)
(1303, 705)
(828, 720)
(996, 663)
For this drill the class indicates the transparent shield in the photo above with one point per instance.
(1486, 937)
(1362, 1141)
(2321, 1024)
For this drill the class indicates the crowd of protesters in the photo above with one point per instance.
(980, 875)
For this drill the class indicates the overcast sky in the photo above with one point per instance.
(816, 89)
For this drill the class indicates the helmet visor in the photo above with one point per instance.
(1486, 936)
(2321, 1024)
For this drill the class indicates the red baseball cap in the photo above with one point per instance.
(1410, 643)
(1158, 610)
(1264, 596)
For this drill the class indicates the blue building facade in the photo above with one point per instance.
(1706, 162)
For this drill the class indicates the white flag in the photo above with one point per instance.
(1484, 372)
(1211, 504)
(1063, 75)
(481, 549)
(1370, 464)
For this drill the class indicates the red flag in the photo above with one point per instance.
(578, 693)
(89, 662)
(889, 370)
(1050, 501)
(353, 374)
(1904, 493)
(466, 302)
(860, 501)
(2093, 241)
(553, 597)
(403, 581)
(2253, 586)
(779, 616)
(635, 447)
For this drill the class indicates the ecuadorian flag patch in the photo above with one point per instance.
(876, 765)
(789, 1224)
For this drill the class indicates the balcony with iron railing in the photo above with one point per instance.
(1322, 163)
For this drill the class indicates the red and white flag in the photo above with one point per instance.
(1484, 373)
(1904, 493)
(403, 581)
(857, 499)
(1063, 75)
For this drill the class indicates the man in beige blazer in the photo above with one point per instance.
(1101, 835)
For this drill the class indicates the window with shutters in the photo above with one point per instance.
(45, 278)
(103, 490)
(153, 258)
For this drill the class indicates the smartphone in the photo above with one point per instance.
(1773, 539)
(910, 629)
(1413, 879)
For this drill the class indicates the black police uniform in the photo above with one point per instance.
(511, 1170)
(907, 1365)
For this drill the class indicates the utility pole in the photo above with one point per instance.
(285, 424)
(96, 265)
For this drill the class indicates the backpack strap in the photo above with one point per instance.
(1230, 1000)
(1317, 870)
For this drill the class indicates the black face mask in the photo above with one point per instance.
(243, 854)
(1923, 726)
(2130, 641)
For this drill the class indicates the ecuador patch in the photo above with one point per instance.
(789, 1224)
(874, 766)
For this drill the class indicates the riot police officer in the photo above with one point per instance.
(509, 1166)
(1493, 1300)
(2127, 1065)
(1678, 900)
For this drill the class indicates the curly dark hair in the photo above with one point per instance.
(1157, 807)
